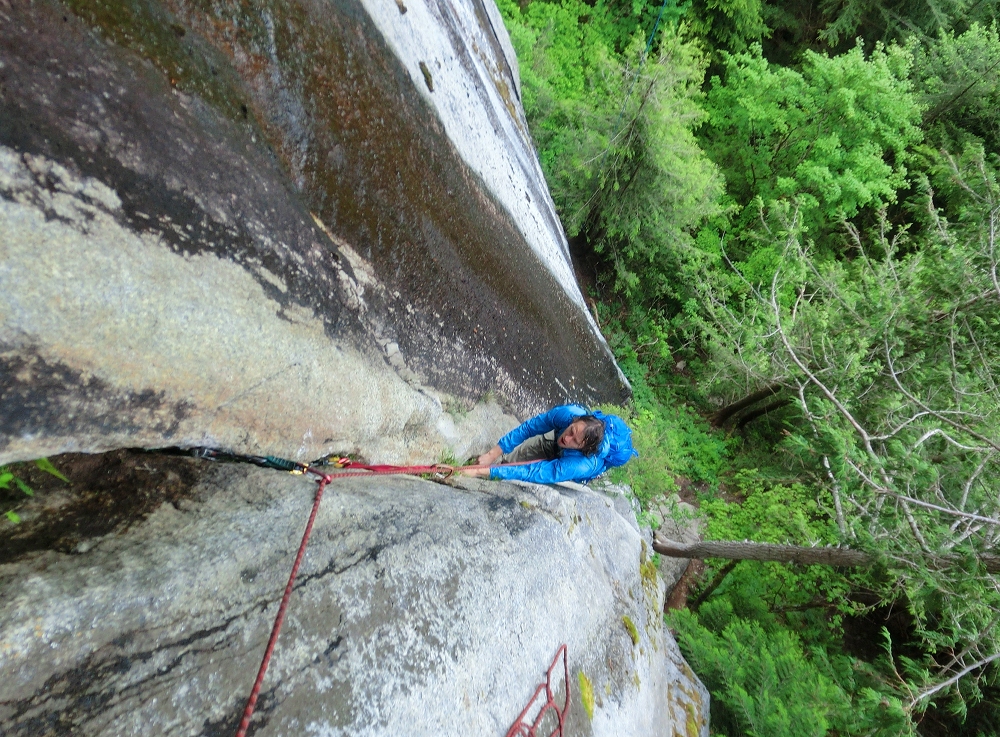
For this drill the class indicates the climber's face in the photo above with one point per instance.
(572, 437)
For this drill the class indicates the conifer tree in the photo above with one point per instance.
(892, 360)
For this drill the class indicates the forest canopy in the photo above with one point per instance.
(786, 217)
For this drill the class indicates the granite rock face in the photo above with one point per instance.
(291, 227)
(420, 609)
(296, 228)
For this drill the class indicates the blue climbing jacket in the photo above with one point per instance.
(618, 437)
(571, 465)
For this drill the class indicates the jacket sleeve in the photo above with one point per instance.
(557, 417)
(574, 467)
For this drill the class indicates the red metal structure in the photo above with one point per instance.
(522, 727)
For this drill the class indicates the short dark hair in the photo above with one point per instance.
(593, 434)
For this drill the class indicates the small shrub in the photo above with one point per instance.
(9, 475)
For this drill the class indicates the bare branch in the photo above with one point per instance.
(970, 530)
(900, 426)
(947, 437)
(953, 680)
(835, 491)
(927, 505)
(809, 374)
(913, 527)
(940, 415)
(972, 479)
(977, 639)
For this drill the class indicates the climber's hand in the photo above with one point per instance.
(488, 459)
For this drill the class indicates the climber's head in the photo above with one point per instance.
(584, 434)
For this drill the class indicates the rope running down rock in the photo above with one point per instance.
(323, 479)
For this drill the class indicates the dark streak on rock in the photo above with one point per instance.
(335, 567)
(510, 514)
(42, 113)
(334, 644)
(224, 726)
(72, 697)
(399, 192)
(407, 202)
(42, 398)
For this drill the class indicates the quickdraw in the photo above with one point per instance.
(317, 467)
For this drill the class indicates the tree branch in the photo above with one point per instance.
(720, 417)
(953, 680)
(801, 554)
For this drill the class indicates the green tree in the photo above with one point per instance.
(569, 88)
(886, 20)
(891, 359)
(958, 80)
(729, 25)
(655, 186)
(835, 136)
(762, 681)
(615, 137)
(836, 25)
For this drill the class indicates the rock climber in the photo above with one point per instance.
(567, 443)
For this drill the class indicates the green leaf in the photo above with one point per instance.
(13, 517)
(5, 479)
(24, 487)
(46, 465)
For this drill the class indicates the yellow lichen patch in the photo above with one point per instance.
(633, 632)
(586, 694)
(692, 694)
(648, 572)
(692, 722)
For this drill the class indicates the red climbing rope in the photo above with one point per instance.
(523, 728)
(248, 711)
(351, 469)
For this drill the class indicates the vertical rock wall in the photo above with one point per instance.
(300, 227)
(280, 226)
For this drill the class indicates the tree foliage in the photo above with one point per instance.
(834, 136)
(615, 136)
(885, 20)
(763, 681)
(655, 185)
(818, 238)
(958, 79)
(893, 359)
(836, 25)
(732, 25)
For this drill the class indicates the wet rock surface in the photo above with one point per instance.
(420, 609)
(97, 495)
(215, 217)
